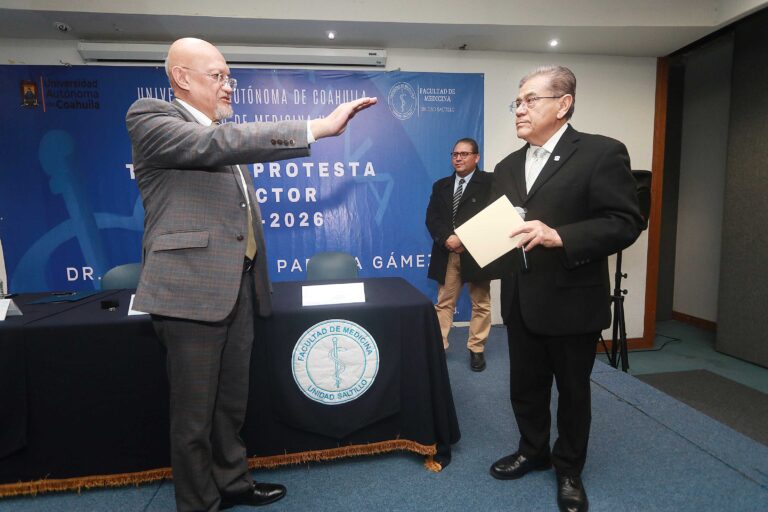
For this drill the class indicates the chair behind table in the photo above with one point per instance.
(121, 276)
(331, 265)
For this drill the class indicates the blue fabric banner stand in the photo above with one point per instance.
(69, 209)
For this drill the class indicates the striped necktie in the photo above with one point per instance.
(457, 199)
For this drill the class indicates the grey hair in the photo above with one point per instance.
(167, 69)
(562, 81)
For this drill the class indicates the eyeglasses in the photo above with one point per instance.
(530, 102)
(462, 154)
(220, 78)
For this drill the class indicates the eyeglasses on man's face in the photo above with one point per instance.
(462, 154)
(220, 78)
(530, 102)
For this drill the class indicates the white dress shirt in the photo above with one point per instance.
(537, 157)
(466, 181)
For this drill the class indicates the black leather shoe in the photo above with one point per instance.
(517, 465)
(571, 496)
(259, 494)
(476, 361)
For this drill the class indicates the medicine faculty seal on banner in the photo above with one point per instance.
(402, 100)
(335, 361)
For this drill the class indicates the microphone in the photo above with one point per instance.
(525, 267)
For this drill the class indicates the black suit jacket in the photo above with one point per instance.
(586, 192)
(440, 226)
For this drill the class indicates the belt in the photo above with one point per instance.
(247, 265)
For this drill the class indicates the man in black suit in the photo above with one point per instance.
(456, 199)
(582, 206)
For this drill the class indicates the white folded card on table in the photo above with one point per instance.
(132, 311)
(486, 235)
(322, 294)
(8, 308)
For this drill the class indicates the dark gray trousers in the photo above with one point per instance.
(208, 369)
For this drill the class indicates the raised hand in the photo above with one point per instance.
(336, 122)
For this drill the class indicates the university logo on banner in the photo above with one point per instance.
(335, 362)
(402, 100)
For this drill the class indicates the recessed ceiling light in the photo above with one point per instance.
(331, 34)
(553, 42)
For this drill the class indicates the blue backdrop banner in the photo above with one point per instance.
(70, 209)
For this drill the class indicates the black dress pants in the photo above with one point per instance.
(535, 361)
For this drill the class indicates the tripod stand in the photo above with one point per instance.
(619, 330)
(619, 345)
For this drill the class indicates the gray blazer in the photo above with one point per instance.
(195, 214)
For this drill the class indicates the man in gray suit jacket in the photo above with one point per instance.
(205, 264)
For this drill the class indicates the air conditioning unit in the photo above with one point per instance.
(147, 52)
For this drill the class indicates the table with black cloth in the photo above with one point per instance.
(84, 398)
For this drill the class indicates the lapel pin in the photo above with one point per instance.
(557, 158)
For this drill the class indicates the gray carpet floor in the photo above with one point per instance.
(740, 407)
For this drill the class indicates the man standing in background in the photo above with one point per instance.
(582, 206)
(204, 262)
(456, 199)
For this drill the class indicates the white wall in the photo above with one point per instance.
(615, 97)
(703, 153)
